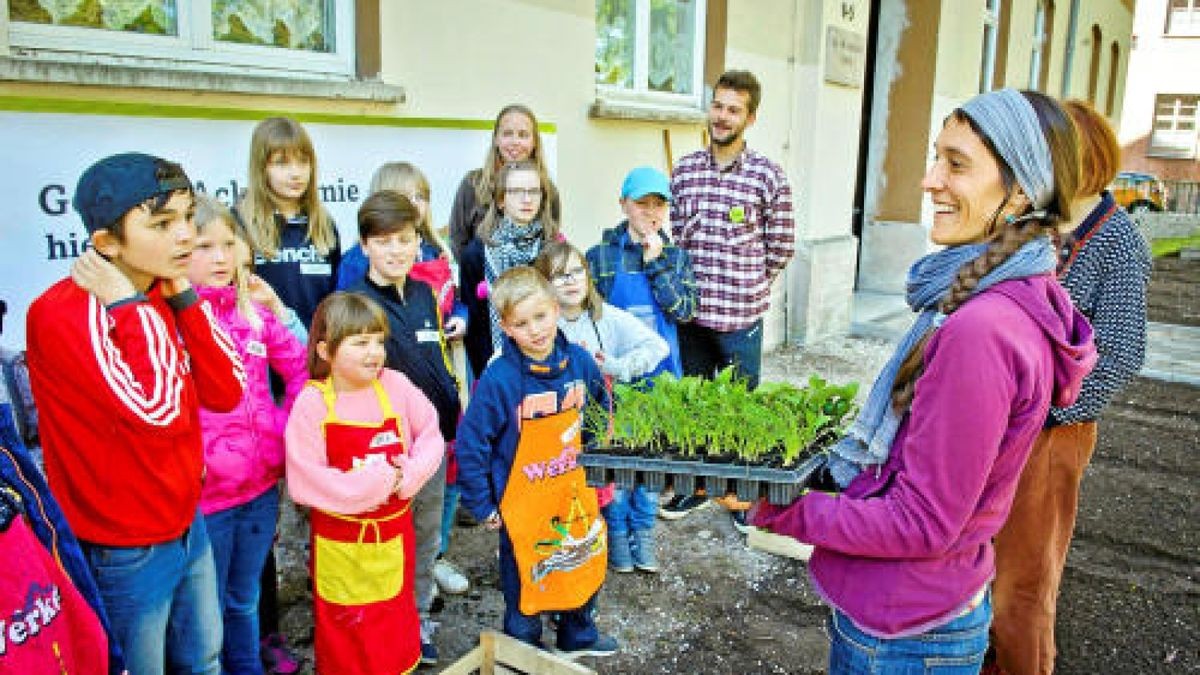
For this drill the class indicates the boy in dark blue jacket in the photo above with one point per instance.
(517, 450)
(416, 346)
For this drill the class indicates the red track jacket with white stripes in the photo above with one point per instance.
(118, 391)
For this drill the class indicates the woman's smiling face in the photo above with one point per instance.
(966, 187)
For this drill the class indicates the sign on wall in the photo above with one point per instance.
(40, 234)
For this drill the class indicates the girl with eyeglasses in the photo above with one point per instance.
(518, 223)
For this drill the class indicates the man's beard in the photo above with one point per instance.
(727, 141)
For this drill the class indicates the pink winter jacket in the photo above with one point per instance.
(243, 448)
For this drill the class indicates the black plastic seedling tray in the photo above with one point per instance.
(779, 486)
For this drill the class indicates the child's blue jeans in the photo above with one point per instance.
(954, 648)
(162, 602)
(241, 537)
(631, 510)
(576, 628)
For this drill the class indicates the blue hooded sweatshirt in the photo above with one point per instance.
(515, 387)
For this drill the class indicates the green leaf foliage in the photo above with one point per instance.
(721, 418)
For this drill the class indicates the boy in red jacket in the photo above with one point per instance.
(121, 356)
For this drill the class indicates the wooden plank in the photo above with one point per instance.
(487, 640)
(513, 652)
(470, 663)
(499, 654)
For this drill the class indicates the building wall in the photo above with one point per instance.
(1162, 65)
(465, 59)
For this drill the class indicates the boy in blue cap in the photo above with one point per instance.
(638, 268)
(121, 355)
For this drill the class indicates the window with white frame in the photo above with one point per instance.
(282, 37)
(1183, 18)
(1175, 123)
(1039, 46)
(650, 51)
(991, 38)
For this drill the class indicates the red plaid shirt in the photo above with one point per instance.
(736, 224)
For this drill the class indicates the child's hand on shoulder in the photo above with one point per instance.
(95, 274)
(261, 293)
(172, 287)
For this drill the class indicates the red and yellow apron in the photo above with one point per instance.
(558, 538)
(362, 565)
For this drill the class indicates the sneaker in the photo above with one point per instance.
(739, 522)
(680, 506)
(276, 656)
(620, 559)
(605, 645)
(644, 558)
(429, 651)
(429, 654)
(449, 579)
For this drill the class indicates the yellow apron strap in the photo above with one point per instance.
(385, 402)
(366, 523)
(329, 395)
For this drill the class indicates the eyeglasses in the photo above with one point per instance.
(530, 193)
(569, 276)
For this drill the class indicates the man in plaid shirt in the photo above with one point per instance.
(731, 210)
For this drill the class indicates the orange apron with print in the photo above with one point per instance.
(364, 611)
(558, 538)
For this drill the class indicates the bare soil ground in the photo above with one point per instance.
(1130, 598)
(1173, 296)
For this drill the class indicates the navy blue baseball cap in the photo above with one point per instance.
(643, 181)
(108, 189)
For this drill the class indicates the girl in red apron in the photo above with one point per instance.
(361, 441)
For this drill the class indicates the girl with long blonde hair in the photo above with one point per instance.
(295, 243)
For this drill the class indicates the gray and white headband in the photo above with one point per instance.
(1010, 122)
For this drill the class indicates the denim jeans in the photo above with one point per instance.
(954, 648)
(162, 602)
(449, 508)
(241, 537)
(705, 351)
(631, 510)
(576, 628)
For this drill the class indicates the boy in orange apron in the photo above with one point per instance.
(361, 441)
(518, 446)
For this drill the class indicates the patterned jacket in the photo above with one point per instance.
(736, 224)
(670, 275)
(1105, 268)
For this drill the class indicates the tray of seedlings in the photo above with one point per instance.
(766, 442)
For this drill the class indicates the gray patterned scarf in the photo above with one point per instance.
(511, 245)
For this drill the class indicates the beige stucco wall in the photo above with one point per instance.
(469, 58)
(898, 216)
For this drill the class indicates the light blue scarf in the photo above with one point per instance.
(869, 438)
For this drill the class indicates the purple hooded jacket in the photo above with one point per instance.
(905, 548)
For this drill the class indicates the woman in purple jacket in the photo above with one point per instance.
(904, 553)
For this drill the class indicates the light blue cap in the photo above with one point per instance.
(643, 181)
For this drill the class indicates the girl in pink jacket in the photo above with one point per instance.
(243, 448)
